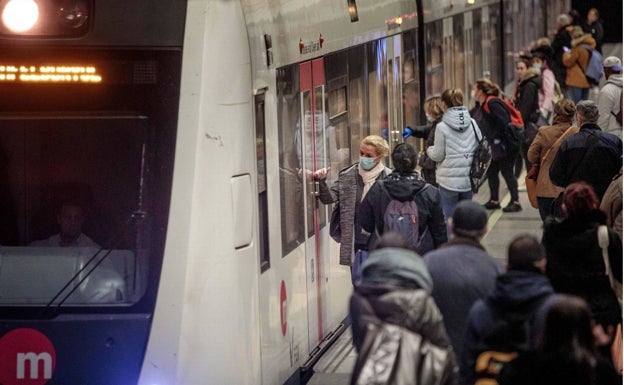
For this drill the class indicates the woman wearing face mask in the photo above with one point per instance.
(547, 91)
(350, 189)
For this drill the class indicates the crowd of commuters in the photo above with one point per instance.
(444, 310)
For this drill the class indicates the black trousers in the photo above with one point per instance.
(504, 166)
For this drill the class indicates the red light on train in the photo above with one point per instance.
(20, 15)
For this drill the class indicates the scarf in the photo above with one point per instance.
(369, 177)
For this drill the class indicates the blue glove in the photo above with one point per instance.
(407, 131)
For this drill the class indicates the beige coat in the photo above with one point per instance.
(545, 138)
(612, 204)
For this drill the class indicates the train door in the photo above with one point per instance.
(314, 120)
(395, 91)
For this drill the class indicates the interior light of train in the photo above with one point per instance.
(353, 12)
(20, 15)
(49, 74)
(470, 2)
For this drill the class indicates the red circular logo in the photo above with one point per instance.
(283, 308)
(27, 357)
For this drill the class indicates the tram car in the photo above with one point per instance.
(159, 225)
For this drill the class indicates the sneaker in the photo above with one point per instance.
(491, 205)
(513, 207)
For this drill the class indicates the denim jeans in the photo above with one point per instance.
(577, 94)
(449, 200)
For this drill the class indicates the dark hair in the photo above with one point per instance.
(580, 198)
(487, 87)
(524, 252)
(404, 158)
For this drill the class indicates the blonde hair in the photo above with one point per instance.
(542, 42)
(577, 32)
(380, 144)
(453, 97)
(434, 107)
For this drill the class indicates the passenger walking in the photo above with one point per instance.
(575, 262)
(566, 352)
(493, 125)
(546, 92)
(434, 109)
(349, 189)
(462, 270)
(590, 155)
(593, 25)
(610, 97)
(611, 204)
(543, 150)
(509, 320)
(562, 39)
(393, 301)
(576, 60)
(455, 143)
(404, 184)
(527, 102)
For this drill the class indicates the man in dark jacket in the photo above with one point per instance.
(393, 297)
(591, 155)
(562, 39)
(520, 295)
(405, 184)
(462, 270)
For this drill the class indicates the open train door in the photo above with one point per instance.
(314, 120)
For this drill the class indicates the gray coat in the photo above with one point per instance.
(347, 193)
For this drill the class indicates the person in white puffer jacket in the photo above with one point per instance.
(609, 99)
(453, 149)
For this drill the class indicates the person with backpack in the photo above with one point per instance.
(576, 60)
(405, 203)
(610, 97)
(567, 351)
(496, 124)
(508, 321)
(457, 138)
(397, 328)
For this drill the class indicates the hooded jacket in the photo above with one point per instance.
(431, 225)
(395, 289)
(609, 105)
(513, 291)
(453, 149)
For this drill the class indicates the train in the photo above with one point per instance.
(186, 132)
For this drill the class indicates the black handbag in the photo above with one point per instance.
(334, 224)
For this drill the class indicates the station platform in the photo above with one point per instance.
(336, 364)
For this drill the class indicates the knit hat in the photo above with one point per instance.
(469, 216)
(612, 62)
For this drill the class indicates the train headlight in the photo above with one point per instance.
(20, 15)
(46, 18)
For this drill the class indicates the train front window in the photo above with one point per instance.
(73, 196)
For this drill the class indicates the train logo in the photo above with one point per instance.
(27, 357)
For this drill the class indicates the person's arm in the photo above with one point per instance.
(327, 195)
(436, 224)
(535, 149)
(606, 103)
(548, 89)
(437, 151)
(365, 213)
(558, 167)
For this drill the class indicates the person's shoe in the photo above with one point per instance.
(513, 207)
(491, 205)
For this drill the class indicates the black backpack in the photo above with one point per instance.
(481, 160)
(402, 217)
(509, 338)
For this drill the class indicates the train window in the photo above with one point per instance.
(411, 92)
(263, 220)
(76, 210)
(491, 39)
(290, 165)
(377, 87)
(358, 107)
(435, 69)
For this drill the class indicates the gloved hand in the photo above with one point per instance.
(407, 131)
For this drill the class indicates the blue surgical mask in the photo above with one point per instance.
(538, 66)
(367, 163)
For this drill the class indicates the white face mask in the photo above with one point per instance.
(538, 66)
(367, 163)
(473, 94)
